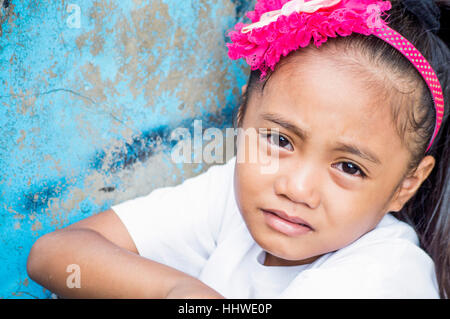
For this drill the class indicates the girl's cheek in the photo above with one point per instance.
(350, 214)
(346, 183)
(345, 197)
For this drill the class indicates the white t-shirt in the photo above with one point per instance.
(196, 227)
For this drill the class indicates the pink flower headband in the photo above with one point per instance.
(281, 26)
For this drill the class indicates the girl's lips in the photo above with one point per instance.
(288, 225)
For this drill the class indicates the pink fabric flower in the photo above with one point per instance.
(263, 47)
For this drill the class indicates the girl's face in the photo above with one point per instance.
(340, 161)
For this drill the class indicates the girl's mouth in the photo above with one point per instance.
(288, 225)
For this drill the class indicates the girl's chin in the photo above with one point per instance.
(274, 260)
(271, 243)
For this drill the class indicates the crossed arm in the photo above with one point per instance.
(109, 264)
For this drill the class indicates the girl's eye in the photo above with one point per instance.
(351, 169)
(279, 140)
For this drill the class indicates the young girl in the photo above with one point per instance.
(354, 114)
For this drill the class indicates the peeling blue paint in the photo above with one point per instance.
(84, 112)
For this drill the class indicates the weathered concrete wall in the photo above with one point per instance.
(90, 92)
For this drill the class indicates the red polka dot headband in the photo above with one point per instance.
(281, 26)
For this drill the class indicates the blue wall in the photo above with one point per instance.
(90, 92)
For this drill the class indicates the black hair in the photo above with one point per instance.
(420, 22)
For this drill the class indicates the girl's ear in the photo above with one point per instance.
(411, 184)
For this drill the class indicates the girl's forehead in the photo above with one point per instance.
(332, 104)
(320, 84)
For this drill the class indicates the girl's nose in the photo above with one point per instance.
(300, 185)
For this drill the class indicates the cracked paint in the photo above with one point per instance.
(86, 113)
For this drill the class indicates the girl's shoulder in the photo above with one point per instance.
(387, 262)
(391, 241)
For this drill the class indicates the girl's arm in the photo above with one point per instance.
(107, 263)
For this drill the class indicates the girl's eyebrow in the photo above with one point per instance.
(303, 135)
(277, 119)
(358, 151)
